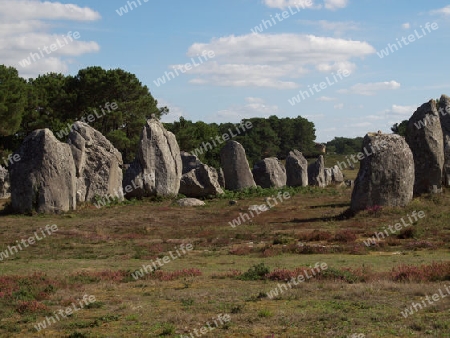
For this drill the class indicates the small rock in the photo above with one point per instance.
(190, 202)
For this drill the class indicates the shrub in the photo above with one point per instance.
(240, 250)
(345, 275)
(285, 274)
(345, 236)
(30, 307)
(256, 272)
(423, 273)
(407, 233)
(318, 235)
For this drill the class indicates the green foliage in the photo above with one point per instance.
(55, 101)
(168, 329)
(344, 145)
(400, 129)
(343, 275)
(256, 272)
(12, 100)
(267, 137)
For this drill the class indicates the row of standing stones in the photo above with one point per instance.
(54, 177)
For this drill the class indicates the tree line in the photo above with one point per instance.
(268, 137)
(56, 101)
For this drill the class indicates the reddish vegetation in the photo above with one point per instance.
(30, 306)
(424, 273)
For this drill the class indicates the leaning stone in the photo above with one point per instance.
(98, 164)
(427, 145)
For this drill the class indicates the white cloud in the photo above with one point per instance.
(35, 9)
(273, 60)
(404, 111)
(335, 4)
(369, 89)
(254, 107)
(406, 25)
(314, 116)
(328, 4)
(325, 99)
(339, 106)
(396, 113)
(442, 11)
(26, 28)
(283, 4)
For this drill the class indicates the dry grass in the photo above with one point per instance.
(95, 251)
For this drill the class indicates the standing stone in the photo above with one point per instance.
(269, 173)
(221, 178)
(189, 162)
(328, 176)
(44, 179)
(4, 183)
(427, 145)
(386, 174)
(444, 114)
(296, 169)
(316, 173)
(235, 167)
(200, 182)
(157, 168)
(98, 164)
(337, 175)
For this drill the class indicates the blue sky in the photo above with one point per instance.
(252, 74)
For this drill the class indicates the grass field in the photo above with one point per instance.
(230, 271)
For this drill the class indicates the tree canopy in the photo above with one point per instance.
(55, 101)
(344, 145)
(267, 137)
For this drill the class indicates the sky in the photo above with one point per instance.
(349, 66)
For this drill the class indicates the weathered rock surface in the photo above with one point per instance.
(444, 114)
(316, 173)
(328, 173)
(235, 167)
(201, 182)
(337, 177)
(189, 162)
(296, 169)
(221, 177)
(269, 173)
(427, 145)
(98, 164)
(44, 179)
(190, 202)
(386, 175)
(157, 168)
(5, 185)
